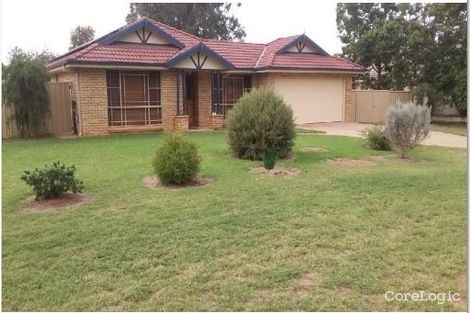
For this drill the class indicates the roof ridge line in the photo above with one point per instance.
(292, 36)
(261, 55)
(232, 41)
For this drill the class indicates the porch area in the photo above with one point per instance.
(171, 99)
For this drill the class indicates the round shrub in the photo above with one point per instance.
(177, 160)
(53, 181)
(376, 139)
(260, 123)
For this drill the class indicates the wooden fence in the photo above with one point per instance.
(59, 122)
(371, 105)
(8, 125)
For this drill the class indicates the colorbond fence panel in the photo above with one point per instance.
(371, 105)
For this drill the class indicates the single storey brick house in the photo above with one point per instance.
(150, 76)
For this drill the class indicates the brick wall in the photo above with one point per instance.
(93, 102)
(349, 110)
(204, 98)
(89, 90)
(263, 81)
(168, 87)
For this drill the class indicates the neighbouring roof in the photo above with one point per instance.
(172, 45)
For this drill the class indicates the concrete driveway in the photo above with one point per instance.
(354, 130)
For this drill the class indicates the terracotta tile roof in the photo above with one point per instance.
(249, 56)
(242, 55)
(312, 61)
(129, 53)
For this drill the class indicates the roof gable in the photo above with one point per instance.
(143, 30)
(302, 44)
(199, 55)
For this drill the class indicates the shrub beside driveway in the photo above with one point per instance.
(335, 237)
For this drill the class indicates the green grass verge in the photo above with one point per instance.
(332, 238)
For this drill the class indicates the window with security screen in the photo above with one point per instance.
(134, 98)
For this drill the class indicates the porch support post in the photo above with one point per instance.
(216, 92)
(179, 91)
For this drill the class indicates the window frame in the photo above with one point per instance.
(151, 106)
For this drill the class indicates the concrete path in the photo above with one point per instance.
(354, 130)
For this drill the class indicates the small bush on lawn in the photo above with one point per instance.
(376, 139)
(177, 161)
(53, 181)
(258, 123)
(270, 159)
(407, 125)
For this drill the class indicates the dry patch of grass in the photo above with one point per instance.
(152, 182)
(278, 171)
(350, 162)
(66, 202)
(314, 149)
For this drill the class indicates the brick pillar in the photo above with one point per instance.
(181, 123)
(168, 94)
(349, 110)
(217, 121)
(204, 98)
(263, 81)
(93, 102)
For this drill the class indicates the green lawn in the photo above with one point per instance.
(451, 128)
(331, 238)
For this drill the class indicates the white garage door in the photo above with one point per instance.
(312, 99)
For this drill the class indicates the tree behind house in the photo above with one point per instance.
(81, 35)
(205, 20)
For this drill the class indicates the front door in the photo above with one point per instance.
(190, 98)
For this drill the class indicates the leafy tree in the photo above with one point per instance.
(44, 56)
(81, 35)
(421, 46)
(446, 70)
(205, 20)
(24, 86)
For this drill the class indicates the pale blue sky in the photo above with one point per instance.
(34, 25)
(38, 24)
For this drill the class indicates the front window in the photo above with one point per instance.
(134, 98)
(227, 90)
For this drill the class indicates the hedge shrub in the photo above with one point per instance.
(177, 161)
(259, 123)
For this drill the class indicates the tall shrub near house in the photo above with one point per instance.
(25, 91)
(407, 125)
(261, 124)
